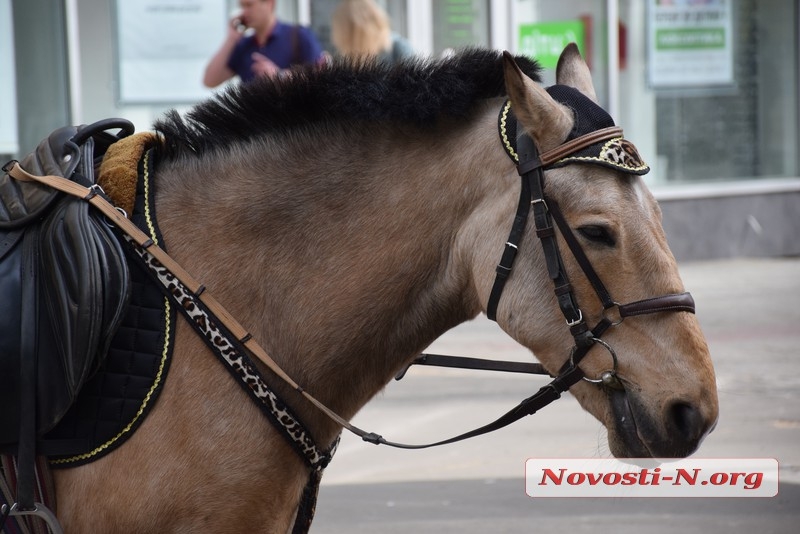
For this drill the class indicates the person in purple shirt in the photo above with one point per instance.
(269, 49)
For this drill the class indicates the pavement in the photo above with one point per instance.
(750, 312)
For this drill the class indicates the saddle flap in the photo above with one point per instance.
(64, 282)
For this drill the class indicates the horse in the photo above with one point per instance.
(349, 215)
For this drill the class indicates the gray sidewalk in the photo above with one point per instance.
(750, 312)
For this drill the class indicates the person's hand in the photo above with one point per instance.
(263, 66)
(237, 25)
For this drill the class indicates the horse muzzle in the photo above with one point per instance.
(675, 432)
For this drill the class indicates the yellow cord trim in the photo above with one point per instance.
(164, 350)
(601, 159)
(504, 133)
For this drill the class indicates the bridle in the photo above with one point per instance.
(531, 166)
(237, 341)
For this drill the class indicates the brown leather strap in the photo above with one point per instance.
(675, 302)
(561, 151)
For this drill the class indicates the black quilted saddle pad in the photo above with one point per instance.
(118, 397)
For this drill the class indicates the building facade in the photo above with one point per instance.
(707, 89)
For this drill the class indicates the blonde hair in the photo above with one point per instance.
(360, 28)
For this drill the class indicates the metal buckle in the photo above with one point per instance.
(9, 165)
(538, 200)
(577, 321)
(39, 510)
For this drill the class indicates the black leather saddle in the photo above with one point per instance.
(64, 283)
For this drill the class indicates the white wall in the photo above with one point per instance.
(8, 94)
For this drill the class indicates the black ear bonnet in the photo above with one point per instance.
(617, 153)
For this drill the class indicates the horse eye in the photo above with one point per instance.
(598, 234)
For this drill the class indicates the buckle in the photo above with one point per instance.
(577, 321)
(540, 201)
(9, 165)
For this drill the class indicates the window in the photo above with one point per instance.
(734, 115)
(460, 23)
(707, 89)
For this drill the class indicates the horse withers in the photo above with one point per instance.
(350, 215)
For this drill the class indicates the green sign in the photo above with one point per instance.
(546, 40)
(690, 38)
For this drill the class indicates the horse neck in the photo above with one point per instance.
(350, 263)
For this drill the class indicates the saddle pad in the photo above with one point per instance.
(115, 401)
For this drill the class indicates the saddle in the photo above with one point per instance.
(64, 284)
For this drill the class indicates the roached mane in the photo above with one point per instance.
(416, 92)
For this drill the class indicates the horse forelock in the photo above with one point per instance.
(417, 92)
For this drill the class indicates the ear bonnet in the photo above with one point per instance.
(617, 153)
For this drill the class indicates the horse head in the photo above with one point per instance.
(661, 400)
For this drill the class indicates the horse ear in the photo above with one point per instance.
(547, 121)
(572, 70)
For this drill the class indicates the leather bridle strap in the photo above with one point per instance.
(503, 269)
(577, 252)
(574, 145)
(479, 364)
(531, 166)
(669, 302)
(546, 395)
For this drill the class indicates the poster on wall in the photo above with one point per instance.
(546, 40)
(459, 23)
(163, 47)
(690, 43)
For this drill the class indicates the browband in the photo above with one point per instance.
(604, 146)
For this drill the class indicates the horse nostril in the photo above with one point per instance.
(687, 421)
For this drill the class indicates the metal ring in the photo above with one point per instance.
(608, 377)
(621, 318)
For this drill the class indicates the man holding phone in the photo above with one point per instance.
(270, 48)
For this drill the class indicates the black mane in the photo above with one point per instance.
(418, 92)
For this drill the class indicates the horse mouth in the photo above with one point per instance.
(637, 434)
(625, 441)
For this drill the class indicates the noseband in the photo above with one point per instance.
(531, 166)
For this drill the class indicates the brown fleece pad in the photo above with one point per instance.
(119, 170)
